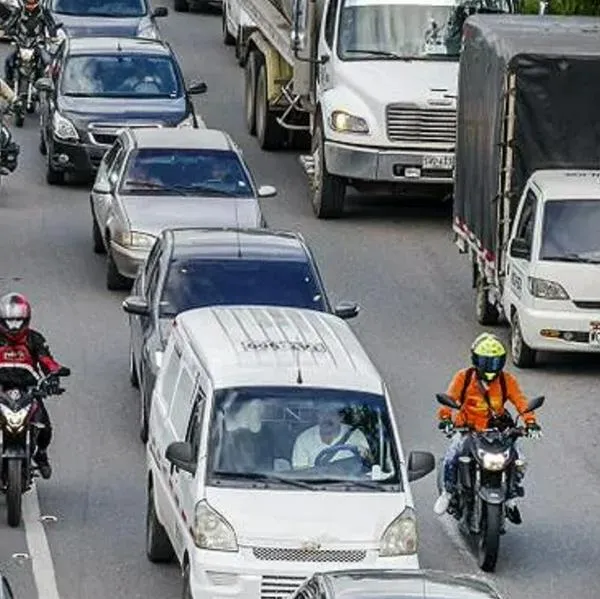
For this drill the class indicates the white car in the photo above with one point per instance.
(272, 448)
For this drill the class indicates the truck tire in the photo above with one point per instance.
(328, 192)
(487, 314)
(181, 6)
(250, 93)
(268, 131)
(228, 39)
(522, 355)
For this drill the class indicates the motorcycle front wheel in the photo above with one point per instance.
(14, 492)
(489, 540)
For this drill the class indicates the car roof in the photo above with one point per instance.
(209, 243)
(269, 345)
(568, 184)
(408, 584)
(173, 138)
(112, 45)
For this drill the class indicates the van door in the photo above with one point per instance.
(191, 485)
(178, 420)
(519, 259)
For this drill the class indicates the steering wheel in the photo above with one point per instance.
(326, 455)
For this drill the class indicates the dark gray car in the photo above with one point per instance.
(196, 267)
(392, 584)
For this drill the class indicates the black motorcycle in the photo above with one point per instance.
(486, 480)
(29, 67)
(9, 148)
(19, 430)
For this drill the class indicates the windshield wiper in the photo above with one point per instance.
(208, 189)
(151, 185)
(571, 258)
(266, 478)
(366, 484)
(377, 53)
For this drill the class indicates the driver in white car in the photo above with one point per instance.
(328, 433)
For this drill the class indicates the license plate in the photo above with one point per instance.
(594, 333)
(439, 162)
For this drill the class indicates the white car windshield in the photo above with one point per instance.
(305, 437)
(372, 29)
(570, 231)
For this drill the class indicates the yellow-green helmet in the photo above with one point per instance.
(488, 356)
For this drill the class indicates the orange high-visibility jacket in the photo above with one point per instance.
(475, 411)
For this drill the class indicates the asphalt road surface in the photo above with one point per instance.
(396, 258)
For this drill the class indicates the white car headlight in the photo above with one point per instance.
(212, 531)
(135, 239)
(15, 420)
(549, 290)
(63, 128)
(187, 123)
(493, 461)
(344, 122)
(400, 537)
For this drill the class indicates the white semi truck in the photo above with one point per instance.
(368, 85)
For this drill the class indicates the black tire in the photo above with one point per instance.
(98, 242)
(181, 6)
(19, 120)
(42, 147)
(133, 376)
(143, 408)
(522, 355)
(53, 176)
(14, 492)
(158, 546)
(115, 281)
(186, 592)
(489, 541)
(268, 131)
(487, 314)
(228, 39)
(328, 192)
(250, 93)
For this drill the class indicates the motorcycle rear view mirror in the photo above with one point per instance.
(446, 400)
(534, 404)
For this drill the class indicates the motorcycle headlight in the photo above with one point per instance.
(493, 461)
(63, 128)
(400, 537)
(14, 420)
(26, 54)
(187, 123)
(212, 531)
(134, 239)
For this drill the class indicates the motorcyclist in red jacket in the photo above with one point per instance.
(24, 356)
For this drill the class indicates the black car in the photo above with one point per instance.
(99, 86)
(393, 584)
(197, 267)
(125, 18)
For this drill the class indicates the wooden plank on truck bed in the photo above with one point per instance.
(273, 25)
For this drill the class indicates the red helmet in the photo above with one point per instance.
(15, 314)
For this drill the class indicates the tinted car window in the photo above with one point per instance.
(194, 284)
(172, 171)
(100, 8)
(121, 76)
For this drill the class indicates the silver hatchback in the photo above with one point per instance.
(154, 179)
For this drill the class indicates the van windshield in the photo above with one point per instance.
(308, 438)
(570, 231)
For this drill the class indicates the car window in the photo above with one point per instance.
(194, 431)
(100, 8)
(121, 76)
(170, 375)
(194, 284)
(117, 165)
(152, 283)
(181, 405)
(527, 219)
(151, 260)
(218, 173)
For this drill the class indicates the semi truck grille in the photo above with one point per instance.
(410, 125)
(307, 555)
(279, 587)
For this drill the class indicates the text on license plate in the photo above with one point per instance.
(443, 162)
(594, 333)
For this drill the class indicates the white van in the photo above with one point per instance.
(243, 486)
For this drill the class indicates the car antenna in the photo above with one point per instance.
(299, 379)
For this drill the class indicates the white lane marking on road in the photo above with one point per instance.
(39, 550)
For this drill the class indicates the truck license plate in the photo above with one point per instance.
(594, 333)
(441, 162)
